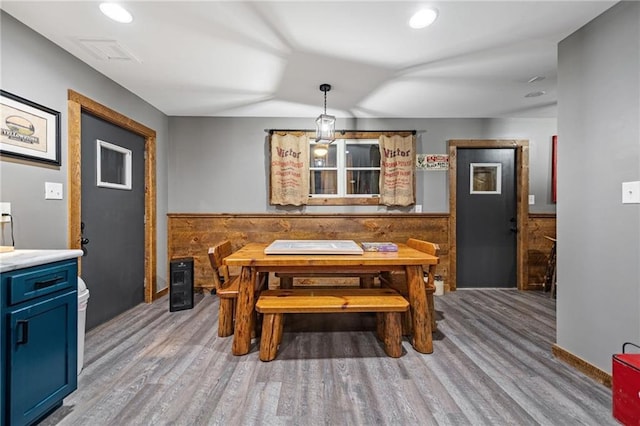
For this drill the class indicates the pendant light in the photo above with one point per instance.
(325, 124)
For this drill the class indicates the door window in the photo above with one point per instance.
(113, 166)
(485, 178)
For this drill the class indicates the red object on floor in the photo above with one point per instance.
(626, 388)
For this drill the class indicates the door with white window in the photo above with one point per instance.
(113, 196)
(486, 221)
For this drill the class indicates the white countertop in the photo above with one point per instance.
(18, 259)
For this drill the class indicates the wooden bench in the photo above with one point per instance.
(387, 303)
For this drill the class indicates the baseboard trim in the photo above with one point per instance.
(161, 293)
(581, 365)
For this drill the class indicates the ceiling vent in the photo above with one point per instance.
(107, 50)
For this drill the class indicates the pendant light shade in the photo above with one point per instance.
(325, 124)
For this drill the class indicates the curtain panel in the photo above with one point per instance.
(289, 169)
(397, 168)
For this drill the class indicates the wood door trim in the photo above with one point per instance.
(76, 104)
(522, 202)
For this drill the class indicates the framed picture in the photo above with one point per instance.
(28, 131)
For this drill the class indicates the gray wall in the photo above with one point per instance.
(219, 164)
(40, 71)
(599, 148)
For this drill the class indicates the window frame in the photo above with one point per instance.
(497, 175)
(126, 166)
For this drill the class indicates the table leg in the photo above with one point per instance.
(245, 306)
(422, 341)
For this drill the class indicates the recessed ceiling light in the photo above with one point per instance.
(116, 12)
(423, 18)
(535, 94)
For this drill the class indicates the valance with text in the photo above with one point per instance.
(289, 169)
(397, 164)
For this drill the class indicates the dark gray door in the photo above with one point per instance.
(486, 218)
(112, 219)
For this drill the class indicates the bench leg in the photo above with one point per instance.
(392, 334)
(225, 317)
(271, 336)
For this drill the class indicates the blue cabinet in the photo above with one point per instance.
(39, 340)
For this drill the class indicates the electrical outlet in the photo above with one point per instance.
(52, 191)
(5, 208)
(418, 208)
(532, 199)
(631, 192)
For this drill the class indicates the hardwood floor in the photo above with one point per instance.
(491, 365)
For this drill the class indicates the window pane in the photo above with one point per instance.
(323, 182)
(112, 166)
(326, 160)
(486, 178)
(362, 155)
(363, 181)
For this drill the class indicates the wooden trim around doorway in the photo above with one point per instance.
(76, 104)
(522, 202)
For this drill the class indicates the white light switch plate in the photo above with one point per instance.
(631, 192)
(52, 191)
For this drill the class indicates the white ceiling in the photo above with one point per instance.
(268, 58)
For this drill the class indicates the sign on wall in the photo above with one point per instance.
(432, 162)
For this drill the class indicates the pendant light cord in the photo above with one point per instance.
(325, 102)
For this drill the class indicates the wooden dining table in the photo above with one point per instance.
(253, 261)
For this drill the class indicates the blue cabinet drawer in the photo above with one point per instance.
(30, 283)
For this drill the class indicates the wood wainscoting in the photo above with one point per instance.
(191, 235)
(540, 225)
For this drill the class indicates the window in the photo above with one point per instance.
(348, 168)
(485, 178)
(113, 166)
